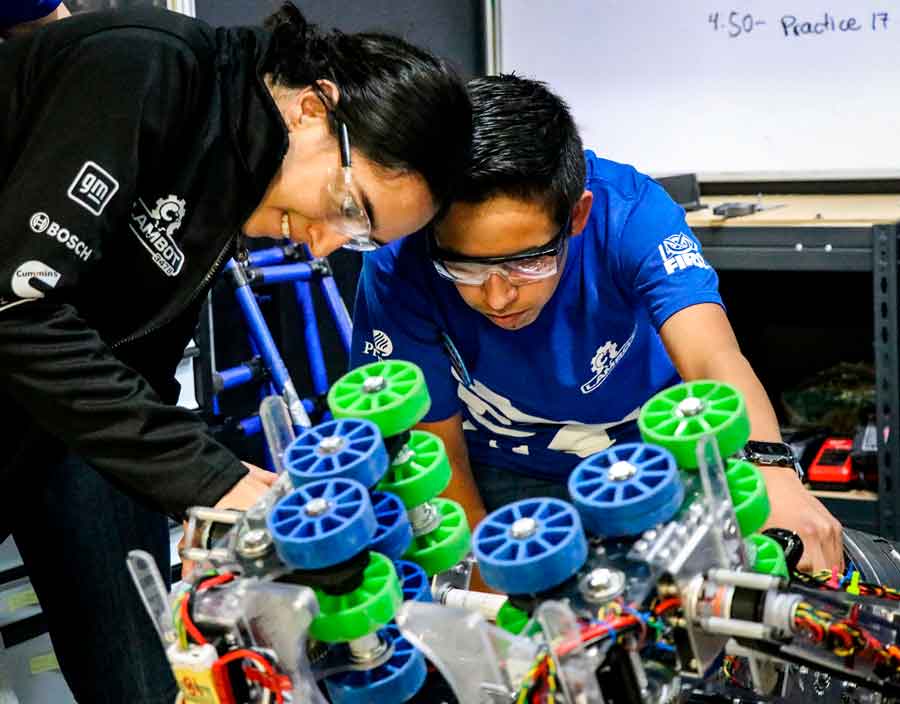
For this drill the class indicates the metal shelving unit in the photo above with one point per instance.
(773, 241)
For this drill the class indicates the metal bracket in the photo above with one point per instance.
(887, 376)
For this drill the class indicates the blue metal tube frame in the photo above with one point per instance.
(339, 312)
(266, 257)
(235, 376)
(267, 349)
(281, 274)
(251, 425)
(272, 271)
(314, 354)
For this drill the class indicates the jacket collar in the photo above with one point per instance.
(254, 121)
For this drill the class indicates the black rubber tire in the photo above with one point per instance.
(873, 557)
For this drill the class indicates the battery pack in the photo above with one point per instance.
(193, 671)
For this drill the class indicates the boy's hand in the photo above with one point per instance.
(795, 508)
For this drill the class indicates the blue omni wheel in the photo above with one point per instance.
(626, 489)
(322, 524)
(394, 533)
(348, 448)
(530, 546)
(413, 581)
(394, 682)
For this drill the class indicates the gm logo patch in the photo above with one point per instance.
(93, 188)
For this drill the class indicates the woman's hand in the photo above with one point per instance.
(241, 497)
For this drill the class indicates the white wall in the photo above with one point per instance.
(655, 84)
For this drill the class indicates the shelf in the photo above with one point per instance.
(852, 495)
(856, 509)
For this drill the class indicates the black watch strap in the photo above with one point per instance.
(772, 454)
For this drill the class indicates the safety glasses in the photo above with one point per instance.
(343, 210)
(518, 269)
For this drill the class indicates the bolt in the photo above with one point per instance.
(374, 384)
(602, 584)
(254, 543)
(523, 528)
(316, 507)
(332, 445)
(599, 578)
(620, 471)
(405, 455)
(368, 648)
(690, 407)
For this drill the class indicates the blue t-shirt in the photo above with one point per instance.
(16, 11)
(539, 399)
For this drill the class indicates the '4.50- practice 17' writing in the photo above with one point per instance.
(737, 23)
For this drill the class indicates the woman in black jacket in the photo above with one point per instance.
(136, 149)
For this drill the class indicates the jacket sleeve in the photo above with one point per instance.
(92, 124)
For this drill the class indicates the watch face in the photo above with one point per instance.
(768, 448)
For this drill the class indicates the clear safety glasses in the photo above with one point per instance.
(519, 269)
(344, 211)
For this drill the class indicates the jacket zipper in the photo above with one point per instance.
(168, 319)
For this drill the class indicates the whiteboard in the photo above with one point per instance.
(756, 91)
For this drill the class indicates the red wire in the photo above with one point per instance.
(256, 657)
(185, 604)
(215, 581)
(188, 624)
(666, 605)
(596, 630)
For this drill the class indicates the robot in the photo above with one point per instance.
(349, 580)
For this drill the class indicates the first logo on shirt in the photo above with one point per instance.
(93, 188)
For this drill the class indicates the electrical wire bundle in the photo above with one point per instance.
(845, 637)
(261, 670)
(829, 580)
(615, 618)
(539, 685)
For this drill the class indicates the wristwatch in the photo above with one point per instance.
(772, 454)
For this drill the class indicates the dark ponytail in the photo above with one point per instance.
(405, 109)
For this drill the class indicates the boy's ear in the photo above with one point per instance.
(581, 212)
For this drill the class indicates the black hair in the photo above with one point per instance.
(524, 145)
(405, 109)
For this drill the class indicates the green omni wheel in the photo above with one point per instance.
(344, 617)
(511, 619)
(444, 546)
(766, 555)
(390, 394)
(748, 494)
(419, 472)
(677, 417)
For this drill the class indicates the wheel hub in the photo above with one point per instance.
(316, 507)
(620, 471)
(523, 528)
(374, 384)
(690, 407)
(332, 445)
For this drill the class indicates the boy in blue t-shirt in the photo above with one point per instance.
(558, 293)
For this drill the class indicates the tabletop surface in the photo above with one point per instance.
(803, 211)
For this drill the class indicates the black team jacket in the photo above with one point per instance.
(133, 145)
